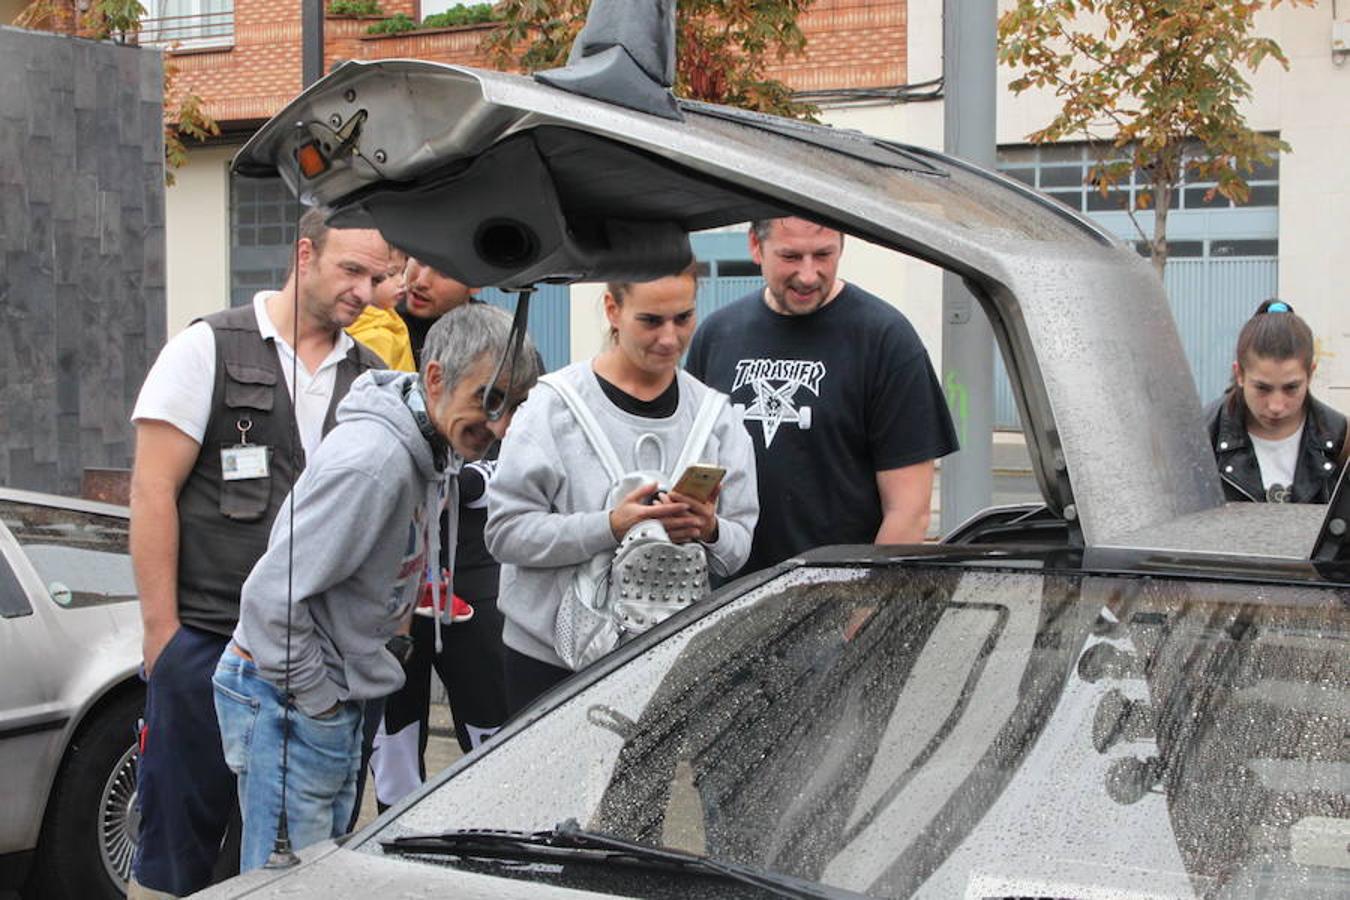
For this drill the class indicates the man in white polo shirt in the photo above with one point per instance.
(221, 435)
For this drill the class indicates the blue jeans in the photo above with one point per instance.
(324, 755)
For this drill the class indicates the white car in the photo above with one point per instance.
(70, 696)
(1141, 692)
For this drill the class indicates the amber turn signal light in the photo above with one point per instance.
(311, 160)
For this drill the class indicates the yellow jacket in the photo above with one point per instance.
(383, 331)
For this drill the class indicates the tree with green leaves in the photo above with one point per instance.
(1156, 85)
(722, 46)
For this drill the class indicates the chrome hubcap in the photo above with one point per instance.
(117, 818)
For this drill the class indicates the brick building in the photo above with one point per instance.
(243, 58)
(228, 236)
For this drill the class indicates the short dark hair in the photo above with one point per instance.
(313, 225)
(762, 229)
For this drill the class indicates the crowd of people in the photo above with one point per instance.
(343, 488)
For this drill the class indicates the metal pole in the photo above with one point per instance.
(311, 41)
(969, 58)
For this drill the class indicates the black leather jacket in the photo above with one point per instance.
(1319, 453)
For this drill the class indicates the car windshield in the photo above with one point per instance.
(947, 732)
(81, 557)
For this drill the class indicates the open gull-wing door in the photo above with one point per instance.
(502, 180)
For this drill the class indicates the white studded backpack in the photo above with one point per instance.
(648, 578)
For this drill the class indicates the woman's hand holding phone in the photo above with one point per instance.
(639, 506)
(701, 522)
(688, 512)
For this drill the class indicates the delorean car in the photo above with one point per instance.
(1130, 690)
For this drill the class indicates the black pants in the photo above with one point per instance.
(527, 678)
(470, 667)
(369, 725)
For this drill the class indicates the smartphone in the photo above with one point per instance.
(699, 481)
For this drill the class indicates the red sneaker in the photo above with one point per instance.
(426, 597)
(460, 611)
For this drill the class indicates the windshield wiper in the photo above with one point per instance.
(569, 842)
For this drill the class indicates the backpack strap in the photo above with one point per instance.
(586, 419)
(708, 412)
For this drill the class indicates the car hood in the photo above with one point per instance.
(328, 871)
(936, 731)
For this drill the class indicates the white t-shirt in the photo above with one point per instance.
(179, 386)
(1277, 459)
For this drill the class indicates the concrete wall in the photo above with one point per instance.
(913, 286)
(81, 252)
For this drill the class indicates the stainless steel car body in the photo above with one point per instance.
(57, 662)
(931, 722)
(1111, 415)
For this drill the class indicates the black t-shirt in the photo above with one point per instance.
(475, 574)
(660, 407)
(417, 331)
(829, 399)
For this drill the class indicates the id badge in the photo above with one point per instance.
(243, 461)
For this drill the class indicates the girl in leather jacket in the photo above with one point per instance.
(1272, 440)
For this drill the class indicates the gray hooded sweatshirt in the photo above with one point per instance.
(366, 516)
(547, 510)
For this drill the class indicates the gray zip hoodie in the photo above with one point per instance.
(366, 516)
(547, 510)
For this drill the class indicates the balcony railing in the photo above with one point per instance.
(199, 31)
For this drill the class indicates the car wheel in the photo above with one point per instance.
(89, 832)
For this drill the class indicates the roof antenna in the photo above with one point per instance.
(282, 856)
(511, 356)
(624, 55)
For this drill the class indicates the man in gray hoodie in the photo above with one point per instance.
(346, 556)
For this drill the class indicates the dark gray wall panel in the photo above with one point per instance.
(81, 252)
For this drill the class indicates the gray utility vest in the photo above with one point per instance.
(223, 525)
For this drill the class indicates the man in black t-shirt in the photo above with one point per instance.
(839, 397)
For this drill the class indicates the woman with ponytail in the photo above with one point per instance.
(1272, 440)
